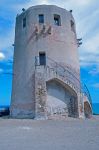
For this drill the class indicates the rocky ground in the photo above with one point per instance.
(69, 134)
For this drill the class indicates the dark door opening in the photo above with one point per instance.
(42, 58)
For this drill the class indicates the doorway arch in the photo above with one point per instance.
(87, 110)
(61, 99)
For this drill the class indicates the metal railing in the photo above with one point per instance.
(67, 73)
(86, 92)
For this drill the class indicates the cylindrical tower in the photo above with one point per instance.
(46, 65)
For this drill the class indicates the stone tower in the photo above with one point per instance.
(46, 80)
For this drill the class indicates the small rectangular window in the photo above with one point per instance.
(41, 18)
(72, 26)
(42, 58)
(57, 20)
(24, 22)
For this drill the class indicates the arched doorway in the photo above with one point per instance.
(61, 99)
(87, 110)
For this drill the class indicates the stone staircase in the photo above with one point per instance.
(52, 73)
(53, 70)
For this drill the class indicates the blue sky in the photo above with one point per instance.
(86, 14)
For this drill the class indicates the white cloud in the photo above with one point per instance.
(94, 71)
(68, 4)
(44, 2)
(7, 40)
(18, 7)
(79, 2)
(92, 44)
(86, 25)
(2, 56)
(89, 59)
(6, 44)
(96, 85)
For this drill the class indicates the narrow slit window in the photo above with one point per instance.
(24, 22)
(72, 26)
(41, 18)
(57, 20)
(42, 58)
